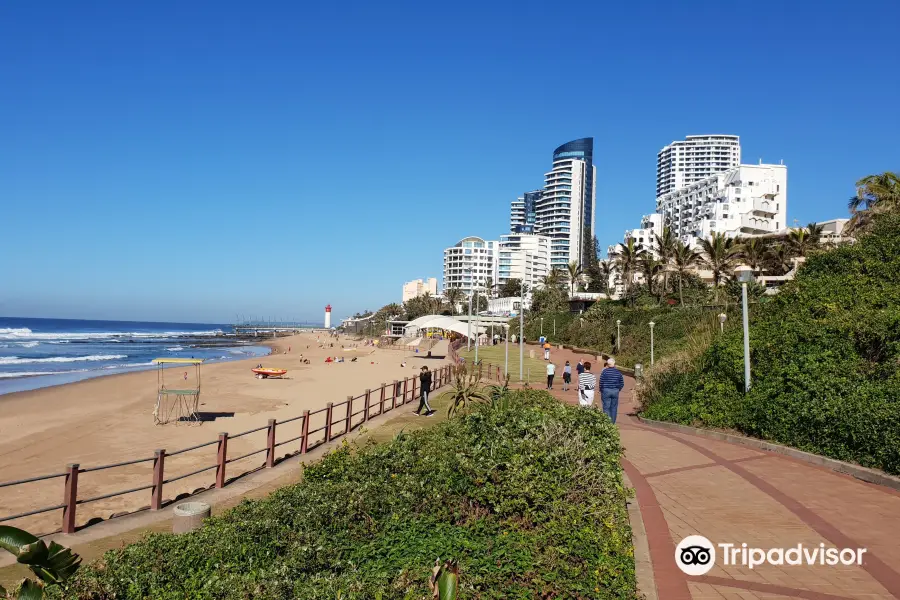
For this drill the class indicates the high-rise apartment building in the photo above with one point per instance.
(525, 257)
(523, 215)
(469, 263)
(746, 200)
(417, 287)
(564, 210)
(695, 158)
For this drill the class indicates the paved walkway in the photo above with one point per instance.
(690, 485)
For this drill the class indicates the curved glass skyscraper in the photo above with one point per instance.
(566, 212)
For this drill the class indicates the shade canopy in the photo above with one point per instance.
(441, 322)
(177, 361)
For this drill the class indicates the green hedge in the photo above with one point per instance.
(825, 355)
(528, 495)
(675, 329)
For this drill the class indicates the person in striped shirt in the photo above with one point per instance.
(611, 383)
(586, 384)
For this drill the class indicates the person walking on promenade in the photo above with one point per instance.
(567, 376)
(611, 383)
(546, 350)
(551, 371)
(425, 387)
(580, 368)
(586, 384)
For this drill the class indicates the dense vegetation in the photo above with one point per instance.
(527, 493)
(826, 360)
(675, 329)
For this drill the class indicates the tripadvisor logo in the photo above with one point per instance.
(696, 555)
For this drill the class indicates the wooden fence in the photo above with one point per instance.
(336, 420)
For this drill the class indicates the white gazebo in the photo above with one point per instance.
(439, 322)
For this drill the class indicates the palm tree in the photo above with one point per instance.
(489, 286)
(626, 262)
(800, 241)
(753, 252)
(719, 253)
(552, 278)
(815, 233)
(574, 272)
(779, 258)
(874, 194)
(664, 245)
(605, 270)
(685, 260)
(650, 266)
(453, 295)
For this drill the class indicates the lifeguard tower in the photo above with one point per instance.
(177, 404)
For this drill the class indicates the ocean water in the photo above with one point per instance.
(37, 353)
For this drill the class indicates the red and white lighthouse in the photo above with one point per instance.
(328, 317)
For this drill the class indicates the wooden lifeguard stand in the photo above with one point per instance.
(176, 404)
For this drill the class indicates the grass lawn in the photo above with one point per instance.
(535, 368)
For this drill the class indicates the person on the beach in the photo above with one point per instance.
(567, 376)
(586, 384)
(611, 383)
(425, 387)
(551, 371)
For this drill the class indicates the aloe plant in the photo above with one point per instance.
(464, 389)
(53, 564)
(444, 580)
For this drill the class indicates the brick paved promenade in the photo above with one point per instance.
(686, 484)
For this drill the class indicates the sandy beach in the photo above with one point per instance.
(109, 419)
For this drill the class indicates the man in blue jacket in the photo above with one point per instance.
(611, 383)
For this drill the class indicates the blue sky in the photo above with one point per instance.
(169, 162)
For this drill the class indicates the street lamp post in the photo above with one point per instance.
(542, 326)
(476, 326)
(469, 338)
(554, 327)
(744, 274)
(651, 342)
(618, 335)
(722, 317)
(521, 330)
(506, 363)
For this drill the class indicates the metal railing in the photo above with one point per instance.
(369, 405)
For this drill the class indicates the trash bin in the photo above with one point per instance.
(638, 371)
(189, 516)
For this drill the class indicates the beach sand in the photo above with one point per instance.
(110, 419)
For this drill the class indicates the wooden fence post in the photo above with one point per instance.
(366, 407)
(304, 443)
(394, 389)
(412, 397)
(405, 386)
(270, 445)
(222, 460)
(159, 460)
(381, 403)
(349, 414)
(328, 409)
(70, 498)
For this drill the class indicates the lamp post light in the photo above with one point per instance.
(744, 274)
(554, 327)
(521, 330)
(618, 335)
(506, 364)
(542, 326)
(477, 337)
(722, 317)
(469, 338)
(651, 342)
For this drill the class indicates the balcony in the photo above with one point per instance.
(762, 205)
(757, 224)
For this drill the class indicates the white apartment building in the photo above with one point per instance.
(695, 158)
(468, 263)
(645, 236)
(525, 257)
(747, 200)
(522, 216)
(418, 287)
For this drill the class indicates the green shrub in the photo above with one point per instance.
(825, 354)
(527, 494)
